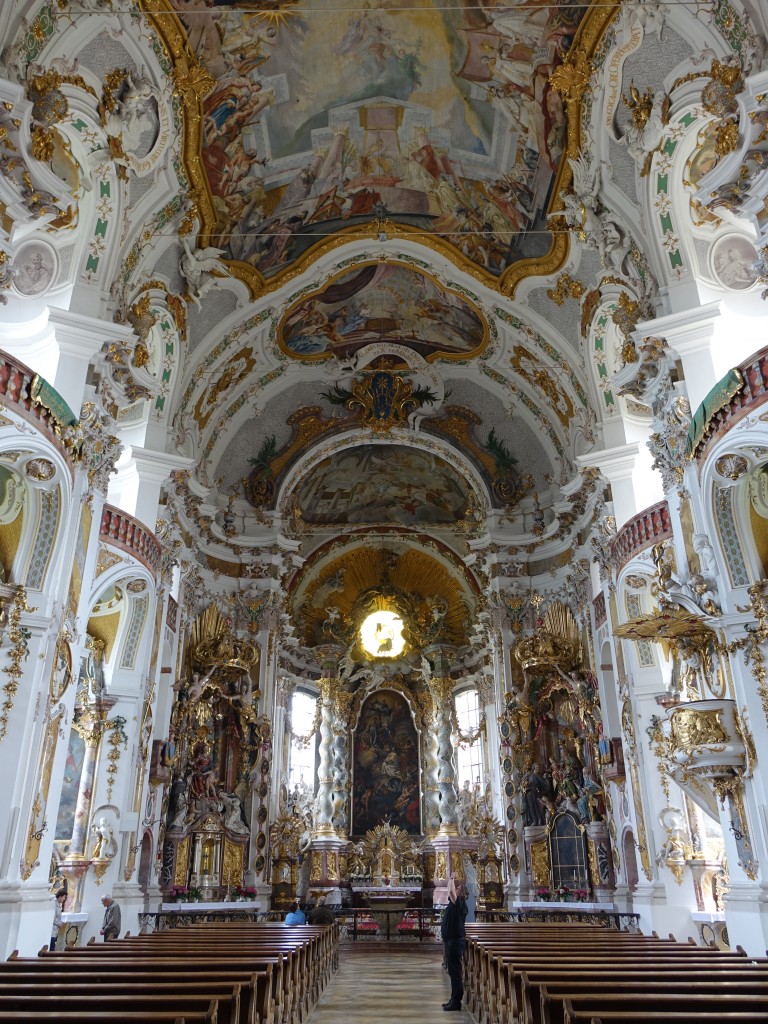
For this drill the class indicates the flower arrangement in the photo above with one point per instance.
(367, 924)
(562, 894)
(187, 894)
(243, 892)
(410, 924)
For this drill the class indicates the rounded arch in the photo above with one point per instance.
(733, 482)
(120, 605)
(44, 491)
(145, 863)
(360, 437)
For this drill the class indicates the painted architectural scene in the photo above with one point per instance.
(383, 302)
(440, 119)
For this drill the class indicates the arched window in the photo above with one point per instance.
(302, 761)
(469, 748)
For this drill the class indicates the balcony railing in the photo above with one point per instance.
(120, 530)
(30, 395)
(642, 531)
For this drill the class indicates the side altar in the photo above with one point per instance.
(214, 744)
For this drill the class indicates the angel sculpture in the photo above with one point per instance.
(581, 212)
(201, 268)
(105, 847)
(642, 137)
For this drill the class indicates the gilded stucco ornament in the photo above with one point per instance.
(565, 287)
(761, 268)
(675, 849)
(17, 636)
(7, 274)
(718, 98)
(100, 448)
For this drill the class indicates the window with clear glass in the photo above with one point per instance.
(469, 752)
(302, 761)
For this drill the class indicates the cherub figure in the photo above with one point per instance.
(201, 268)
(582, 212)
(105, 847)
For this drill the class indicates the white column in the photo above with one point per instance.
(690, 333)
(634, 485)
(78, 339)
(140, 477)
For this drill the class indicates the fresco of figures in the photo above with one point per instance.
(289, 162)
(386, 766)
(383, 484)
(383, 302)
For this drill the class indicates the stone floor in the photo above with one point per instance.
(377, 987)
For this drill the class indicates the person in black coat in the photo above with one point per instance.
(454, 939)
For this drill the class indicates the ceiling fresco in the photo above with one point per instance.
(392, 484)
(441, 119)
(383, 302)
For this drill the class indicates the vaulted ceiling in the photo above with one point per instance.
(380, 258)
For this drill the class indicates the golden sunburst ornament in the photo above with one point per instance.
(381, 634)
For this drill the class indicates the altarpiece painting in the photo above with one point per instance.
(386, 765)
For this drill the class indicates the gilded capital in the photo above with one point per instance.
(328, 686)
(441, 688)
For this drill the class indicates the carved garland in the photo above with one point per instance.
(19, 652)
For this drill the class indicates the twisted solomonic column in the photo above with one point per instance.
(340, 753)
(430, 791)
(442, 692)
(328, 656)
(324, 800)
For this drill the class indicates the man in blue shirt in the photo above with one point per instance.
(295, 915)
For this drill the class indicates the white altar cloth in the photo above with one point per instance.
(185, 908)
(562, 905)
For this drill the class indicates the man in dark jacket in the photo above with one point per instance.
(321, 914)
(454, 941)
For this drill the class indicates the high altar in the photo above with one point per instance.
(386, 825)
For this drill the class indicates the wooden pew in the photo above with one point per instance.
(123, 1017)
(497, 954)
(115, 1014)
(563, 1006)
(612, 979)
(264, 984)
(662, 1016)
(256, 1003)
(279, 972)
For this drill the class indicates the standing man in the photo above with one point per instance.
(110, 927)
(454, 939)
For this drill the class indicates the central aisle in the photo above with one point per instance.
(378, 988)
